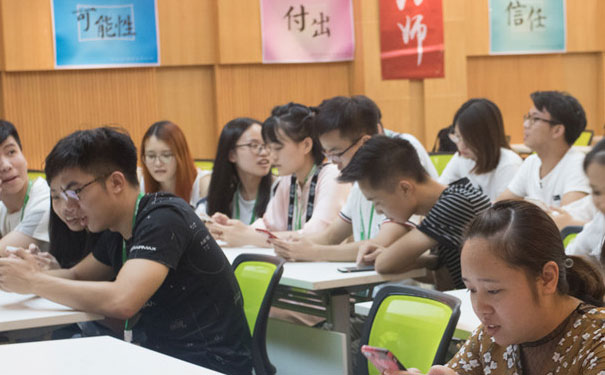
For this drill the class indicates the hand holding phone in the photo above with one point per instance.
(381, 358)
(271, 235)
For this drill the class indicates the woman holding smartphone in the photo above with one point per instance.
(307, 196)
(540, 309)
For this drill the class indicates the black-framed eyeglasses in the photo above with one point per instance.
(336, 156)
(256, 148)
(74, 194)
(533, 119)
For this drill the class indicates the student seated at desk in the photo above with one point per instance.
(553, 175)
(168, 166)
(589, 241)
(484, 155)
(240, 186)
(343, 125)
(389, 175)
(307, 198)
(24, 204)
(163, 264)
(540, 310)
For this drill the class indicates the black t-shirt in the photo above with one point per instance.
(197, 313)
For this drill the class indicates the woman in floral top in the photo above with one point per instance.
(538, 308)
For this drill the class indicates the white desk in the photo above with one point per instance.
(22, 311)
(101, 355)
(466, 324)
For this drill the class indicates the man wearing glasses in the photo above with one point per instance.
(344, 125)
(24, 204)
(162, 264)
(553, 176)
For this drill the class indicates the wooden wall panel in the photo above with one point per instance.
(187, 32)
(186, 97)
(253, 90)
(46, 106)
(443, 96)
(27, 35)
(508, 81)
(239, 32)
(477, 27)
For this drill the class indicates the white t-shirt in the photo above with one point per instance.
(590, 239)
(35, 215)
(246, 209)
(360, 213)
(565, 177)
(491, 183)
(424, 157)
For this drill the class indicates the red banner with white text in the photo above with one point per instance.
(411, 39)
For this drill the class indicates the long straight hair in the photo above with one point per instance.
(186, 172)
(224, 181)
(67, 246)
(480, 124)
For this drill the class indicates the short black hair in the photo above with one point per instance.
(297, 122)
(563, 108)
(98, 152)
(353, 117)
(7, 129)
(381, 159)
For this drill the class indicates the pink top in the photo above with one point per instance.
(330, 196)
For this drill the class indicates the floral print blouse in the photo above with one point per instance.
(577, 347)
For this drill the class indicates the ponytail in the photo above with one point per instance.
(584, 281)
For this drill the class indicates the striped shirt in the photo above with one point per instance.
(446, 222)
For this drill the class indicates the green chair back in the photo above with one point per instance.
(569, 233)
(416, 325)
(34, 174)
(585, 139)
(440, 160)
(568, 239)
(258, 276)
(204, 164)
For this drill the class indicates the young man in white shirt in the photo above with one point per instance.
(343, 125)
(553, 176)
(24, 204)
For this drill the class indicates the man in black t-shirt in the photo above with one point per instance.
(163, 265)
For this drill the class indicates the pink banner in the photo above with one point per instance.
(296, 31)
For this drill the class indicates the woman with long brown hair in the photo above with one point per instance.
(168, 166)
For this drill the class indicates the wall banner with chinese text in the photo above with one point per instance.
(411, 39)
(105, 33)
(527, 26)
(297, 31)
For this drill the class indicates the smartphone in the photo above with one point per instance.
(271, 235)
(356, 268)
(204, 217)
(381, 358)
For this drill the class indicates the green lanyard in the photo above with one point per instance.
(127, 328)
(299, 211)
(236, 205)
(29, 186)
(363, 229)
